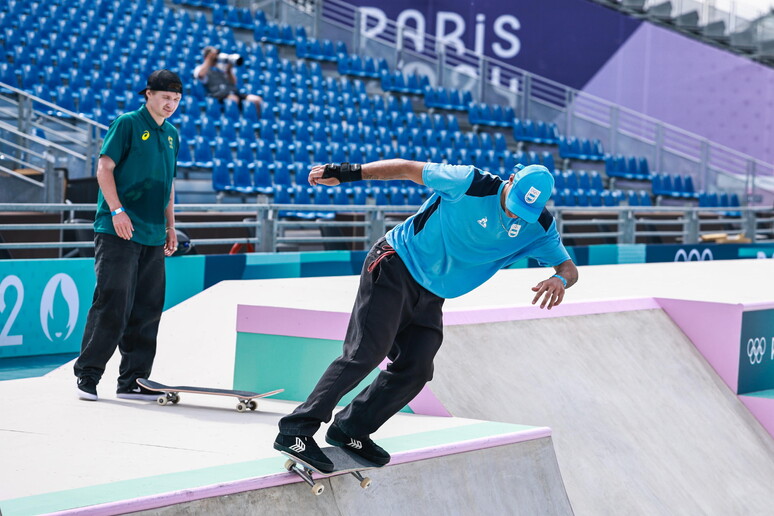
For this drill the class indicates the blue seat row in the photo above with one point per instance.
(630, 167)
(211, 4)
(579, 197)
(581, 149)
(450, 99)
(399, 83)
(236, 17)
(485, 114)
(580, 180)
(365, 66)
(639, 198)
(720, 200)
(535, 132)
(673, 186)
(320, 50)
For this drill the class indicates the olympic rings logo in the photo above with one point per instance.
(756, 350)
(693, 255)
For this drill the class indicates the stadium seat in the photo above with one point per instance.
(221, 178)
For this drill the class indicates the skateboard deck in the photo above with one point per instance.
(171, 394)
(343, 462)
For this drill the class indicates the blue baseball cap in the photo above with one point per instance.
(532, 187)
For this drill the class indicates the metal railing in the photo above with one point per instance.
(71, 140)
(669, 149)
(275, 228)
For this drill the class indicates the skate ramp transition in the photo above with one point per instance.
(641, 423)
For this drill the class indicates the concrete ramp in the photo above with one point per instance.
(517, 479)
(641, 423)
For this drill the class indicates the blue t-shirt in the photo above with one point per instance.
(461, 236)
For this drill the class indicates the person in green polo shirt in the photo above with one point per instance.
(134, 230)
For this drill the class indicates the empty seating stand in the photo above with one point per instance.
(448, 99)
(677, 186)
(496, 116)
(535, 132)
(627, 167)
(399, 83)
(320, 50)
(357, 66)
(581, 149)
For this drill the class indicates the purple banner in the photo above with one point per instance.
(563, 40)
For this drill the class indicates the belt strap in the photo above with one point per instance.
(384, 251)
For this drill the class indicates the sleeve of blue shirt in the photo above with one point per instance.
(450, 182)
(549, 250)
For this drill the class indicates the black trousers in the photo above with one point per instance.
(126, 310)
(393, 317)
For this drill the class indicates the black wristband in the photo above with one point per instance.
(345, 172)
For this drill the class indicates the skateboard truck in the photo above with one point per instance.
(173, 397)
(317, 489)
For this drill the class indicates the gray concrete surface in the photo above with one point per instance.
(518, 479)
(641, 423)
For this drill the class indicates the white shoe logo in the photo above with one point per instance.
(355, 444)
(136, 389)
(299, 446)
(482, 222)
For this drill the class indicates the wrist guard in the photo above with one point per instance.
(344, 172)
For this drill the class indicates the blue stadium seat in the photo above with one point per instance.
(262, 182)
(282, 174)
(340, 196)
(221, 178)
(596, 181)
(203, 157)
(243, 181)
(184, 158)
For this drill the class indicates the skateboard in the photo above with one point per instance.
(170, 394)
(343, 462)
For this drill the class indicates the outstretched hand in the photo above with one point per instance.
(316, 177)
(551, 290)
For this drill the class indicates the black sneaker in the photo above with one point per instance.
(305, 449)
(362, 446)
(138, 393)
(87, 389)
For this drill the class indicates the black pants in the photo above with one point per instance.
(125, 312)
(393, 317)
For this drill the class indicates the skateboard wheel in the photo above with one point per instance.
(252, 405)
(318, 489)
(241, 407)
(161, 400)
(175, 399)
(289, 464)
(365, 483)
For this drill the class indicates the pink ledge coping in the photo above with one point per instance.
(279, 479)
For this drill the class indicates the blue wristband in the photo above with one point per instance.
(117, 211)
(564, 281)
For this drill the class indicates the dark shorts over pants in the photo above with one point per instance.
(126, 310)
(393, 317)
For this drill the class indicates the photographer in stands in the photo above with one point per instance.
(216, 73)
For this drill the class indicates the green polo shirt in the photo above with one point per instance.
(146, 164)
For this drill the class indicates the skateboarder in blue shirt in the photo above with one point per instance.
(472, 225)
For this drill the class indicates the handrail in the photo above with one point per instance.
(271, 229)
(39, 100)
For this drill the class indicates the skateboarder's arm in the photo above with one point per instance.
(386, 169)
(552, 289)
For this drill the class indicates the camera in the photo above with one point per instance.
(232, 59)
